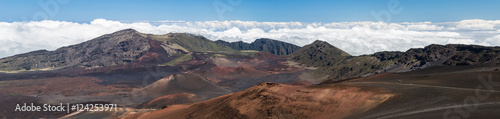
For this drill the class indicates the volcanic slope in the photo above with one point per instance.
(319, 53)
(189, 42)
(272, 100)
(121, 47)
(165, 101)
(237, 72)
(436, 92)
(181, 83)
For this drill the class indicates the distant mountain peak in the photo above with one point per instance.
(319, 53)
(127, 30)
(318, 41)
(329, 46)
(121, 47)
(263, 40)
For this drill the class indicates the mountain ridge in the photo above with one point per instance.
(128, 46)
(410, 60)
(263, 44)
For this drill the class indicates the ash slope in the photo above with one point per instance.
(272, 100)
(436, 92)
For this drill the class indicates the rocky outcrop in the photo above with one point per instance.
(440, 55)
(263, 44)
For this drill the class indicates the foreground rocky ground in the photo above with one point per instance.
(440, 92)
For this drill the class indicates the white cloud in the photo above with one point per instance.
(478, 24)
(354, 37)
(495, 40)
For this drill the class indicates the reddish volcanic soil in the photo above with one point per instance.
(278, 67)
(155, 55)
(68, 86)
(242, 71)
(181, 83)
(165, 101)
(266, 55)
(272, 100)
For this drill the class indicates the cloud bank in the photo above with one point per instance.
(356, 38)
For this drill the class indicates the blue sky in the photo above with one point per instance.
(251, 10)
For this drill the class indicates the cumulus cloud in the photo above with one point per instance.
(356, 38)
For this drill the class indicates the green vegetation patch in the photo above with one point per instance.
(193, 43)
(182, 58)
